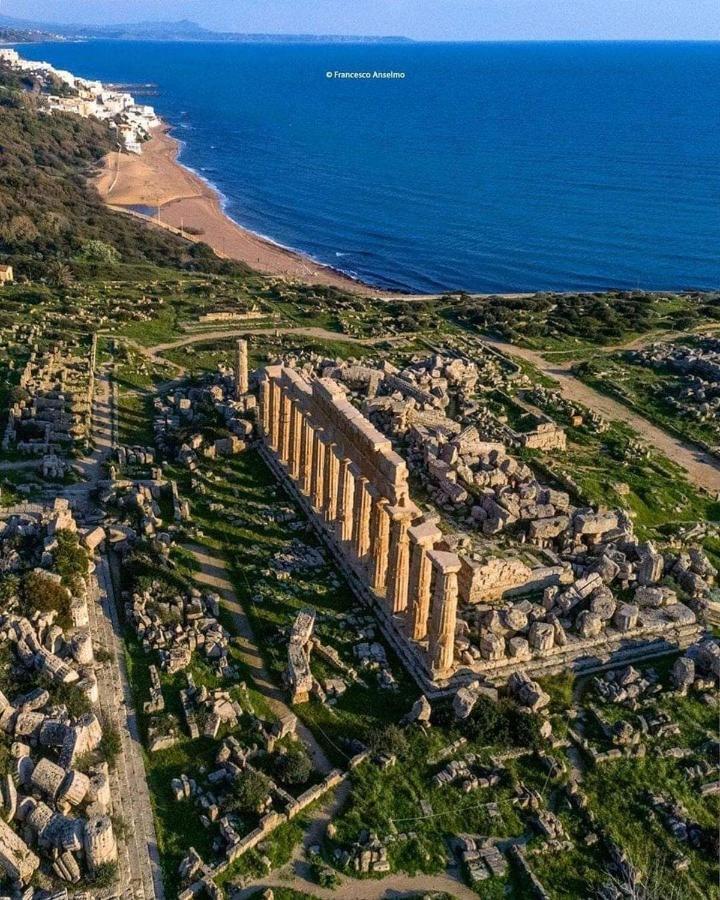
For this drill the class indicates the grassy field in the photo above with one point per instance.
(256, 523)
(646, 390)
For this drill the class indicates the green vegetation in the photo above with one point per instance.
(647, 390)
(573, 322)
(253, 528)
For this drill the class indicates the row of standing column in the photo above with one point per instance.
(397, 557)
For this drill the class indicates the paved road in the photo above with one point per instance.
(214, 574)
(701, 467)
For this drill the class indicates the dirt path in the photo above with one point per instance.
(139, 860)
(214, 574)
(702, 468)
(393, 886)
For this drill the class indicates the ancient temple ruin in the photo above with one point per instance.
(449, 617)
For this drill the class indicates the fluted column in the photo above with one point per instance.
(422, 539)
(265, 406)
(275, 396)
(294, 456)
(318, 471)
(361, 519)
(332, 466)
(241, 369)
(306, 455)
(380, 545)
(346, 499)
(441, 645)
(399, 559)
(285, 427)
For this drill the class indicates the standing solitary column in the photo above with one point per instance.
(380, 544)
(422, 539)
(241, 369)
(361, 519)
(399, 560)
(441, 645)
(318, 476)
(346, 498)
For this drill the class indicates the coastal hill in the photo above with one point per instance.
(184, 30)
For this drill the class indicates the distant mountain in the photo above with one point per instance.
(183, 30)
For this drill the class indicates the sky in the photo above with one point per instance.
(418, 19)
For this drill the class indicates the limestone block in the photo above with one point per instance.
(626, 617)
(683, 673)
(492, 646)
(515, 619)
(519, 648)
(542, 636)
(603, 603)
(588, 624)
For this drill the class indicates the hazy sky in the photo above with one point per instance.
(420, 19)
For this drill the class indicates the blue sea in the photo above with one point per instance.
(487, 167)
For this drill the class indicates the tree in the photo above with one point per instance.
(100, 252)
(293, 767)
(249, 792)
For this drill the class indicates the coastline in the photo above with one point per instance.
(184, 200)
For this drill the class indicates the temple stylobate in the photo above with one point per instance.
(356, 488)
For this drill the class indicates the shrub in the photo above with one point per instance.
(249, 792)
(42, 593)
(111, 741)
(293, 767)
(390, 739)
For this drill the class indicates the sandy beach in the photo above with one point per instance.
(185, 202)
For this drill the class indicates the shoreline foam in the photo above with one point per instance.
(187, 200)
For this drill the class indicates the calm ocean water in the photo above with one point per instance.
(490, 167)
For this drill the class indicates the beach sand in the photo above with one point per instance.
(156, 179)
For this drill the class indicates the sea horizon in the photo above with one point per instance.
(402, 202)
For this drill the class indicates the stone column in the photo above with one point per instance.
(265, 407)
(241, 369)
(317, 491)
(380, 545)
(361, 519)
(346, 498)
(441, 645)
(285, 427)
(306, 454)
(399, 560)
(275, 398)
(422, 539)
(295, 449)
(330, 500)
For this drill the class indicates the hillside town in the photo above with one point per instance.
(132, 123)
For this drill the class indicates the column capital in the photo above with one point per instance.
(425, 534)
(445, 563)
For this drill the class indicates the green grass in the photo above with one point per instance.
(249, 538)
(645, 390)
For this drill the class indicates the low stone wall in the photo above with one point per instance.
(274, 820)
